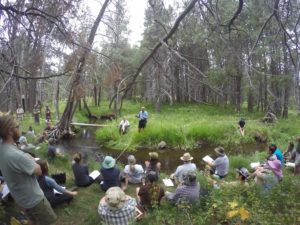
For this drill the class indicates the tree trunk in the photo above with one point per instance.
(95, 95)
(66, 118)
(99, 96)
(57, 99)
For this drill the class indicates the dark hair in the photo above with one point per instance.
(272, 148)
(23, 133)
(77, 157)
(292, 144)
(153, 188)
(44, 166)
(30, 127)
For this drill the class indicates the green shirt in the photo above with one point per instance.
(17, 169)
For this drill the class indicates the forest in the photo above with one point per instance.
(198, 67)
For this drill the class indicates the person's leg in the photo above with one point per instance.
(297, 170)
(59, 199)
(41, 214)
(137, 194)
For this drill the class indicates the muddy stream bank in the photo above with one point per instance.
(170, 158)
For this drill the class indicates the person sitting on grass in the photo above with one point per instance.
(153, 164)
(219, 168)
(52, 153)
(241, 175)
(267, 178)
(289, 155)
(48, 185)
(124, 125)
(143, 115)
(297, 159)
(151, 193)
(278, 154)
(31, 131)
(49, 126)
(23, 142)
(188, 165)
(117, 208)
(133, 173)
(242, 126)
(110, 175)
(42, 138)
(81, 172)
(187, 192)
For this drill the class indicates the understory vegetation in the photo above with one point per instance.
(228, 205)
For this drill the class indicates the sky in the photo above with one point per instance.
(136, 10)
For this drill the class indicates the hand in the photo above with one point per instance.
(74, 192)
(180, 184)
(124, 188)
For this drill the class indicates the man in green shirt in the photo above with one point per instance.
(19, 170)
(36, 113)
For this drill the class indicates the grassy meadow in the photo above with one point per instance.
(185, 125)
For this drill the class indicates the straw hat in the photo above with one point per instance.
(115, 198)
(153, 155)
(186, 157)
(220, 150)
(109, 162)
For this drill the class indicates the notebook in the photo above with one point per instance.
(168, 182)
(94, 174)
(208, 159)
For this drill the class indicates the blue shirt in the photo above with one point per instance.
(110, 177)
(142, 115)
(279, 156)
(51, 183)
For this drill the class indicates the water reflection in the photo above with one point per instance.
(169, 158)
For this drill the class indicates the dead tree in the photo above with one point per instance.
(77, 89)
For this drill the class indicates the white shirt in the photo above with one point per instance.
(126, 123)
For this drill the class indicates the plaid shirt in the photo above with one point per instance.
(125, 215)
(187, 193)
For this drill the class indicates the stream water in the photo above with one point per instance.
(169, 158)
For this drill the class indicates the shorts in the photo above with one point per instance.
(142, 123)
(42, 213)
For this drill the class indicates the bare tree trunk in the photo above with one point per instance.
(95, 94)
(99, 96)
(57, 99)
(66, 118)
(86, 107)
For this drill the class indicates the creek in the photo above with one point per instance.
(169, 158)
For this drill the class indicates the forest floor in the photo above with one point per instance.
(239, 205)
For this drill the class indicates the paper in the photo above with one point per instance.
(253, 165)
(94, 174)
(37, 148)
(36, 159)
(168, 182)
(57, 192)
(208, 159)
(5, 191)
(289, 164)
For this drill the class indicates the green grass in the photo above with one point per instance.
(186, 125)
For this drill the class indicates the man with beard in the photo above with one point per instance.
(19, 170)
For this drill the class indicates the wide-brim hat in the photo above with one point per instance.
(115, 198)
(109, 162)
(186, 157)
(131, 159)
(220, 150)
(153, 155)
(189, 178)
(243, 171)
(275, 165)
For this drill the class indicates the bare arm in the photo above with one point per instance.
(102, 201)
(71, 192)
(37, 171)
